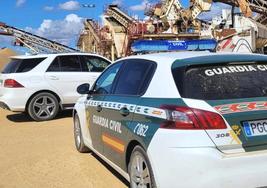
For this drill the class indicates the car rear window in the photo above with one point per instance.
(224, 81)
(21, 65)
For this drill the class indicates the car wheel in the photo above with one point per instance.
(79, 143)
(43, 107)
(140, 170)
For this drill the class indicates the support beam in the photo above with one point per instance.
(244, 7)
(34, 41)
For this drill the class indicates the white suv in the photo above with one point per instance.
(41, 85)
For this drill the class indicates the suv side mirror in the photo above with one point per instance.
(83, 89)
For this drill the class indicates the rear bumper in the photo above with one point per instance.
(206, 167)
(4, 106)
(15, 99)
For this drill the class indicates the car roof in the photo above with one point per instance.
(187, 57)
(52, 55)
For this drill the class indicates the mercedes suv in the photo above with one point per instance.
(42, 85)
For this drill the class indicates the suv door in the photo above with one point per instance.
(131, 83)
(95, 103)
(65, 74)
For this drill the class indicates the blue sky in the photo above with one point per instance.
(59, 20)
(31, 13)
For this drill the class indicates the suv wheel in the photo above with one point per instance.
(43, 107)
(140, 170)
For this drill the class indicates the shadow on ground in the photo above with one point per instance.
(24, 117)
(114, 172)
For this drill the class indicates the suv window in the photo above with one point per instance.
(69, 63)
(22, 65)
(54, 66)
(104, 83)
(93, 64)
(227, 81)
(135, 77)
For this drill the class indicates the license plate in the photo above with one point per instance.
(255, 128)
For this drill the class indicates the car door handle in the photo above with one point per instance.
(124, 111)
(99, 108)
(53, 78)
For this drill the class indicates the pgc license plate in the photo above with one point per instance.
(255, 128)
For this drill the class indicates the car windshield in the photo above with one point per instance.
(225, 81)
(21, 65)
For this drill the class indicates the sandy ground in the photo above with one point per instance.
(4, 56)
(37, 155)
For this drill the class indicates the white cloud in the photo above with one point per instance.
(140, 7)
(70, 5)
(117, 2)
(73, 18)
(64, 31)
(49, 8)
(20, 3)
(216, 10)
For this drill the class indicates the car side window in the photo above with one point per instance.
(135, 77)
(104, 83)
(70, 63)
(93, 64)
(54, 66)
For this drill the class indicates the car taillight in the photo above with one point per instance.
(10, 83)
(190, 118)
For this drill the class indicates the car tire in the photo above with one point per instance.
(79, 143)
(43, 107)
(139, 169)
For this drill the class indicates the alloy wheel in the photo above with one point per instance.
(140, 176)
(44, 107)
(77, 131)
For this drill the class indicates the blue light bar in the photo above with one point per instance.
(165, 45)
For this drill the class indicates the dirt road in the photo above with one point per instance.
(42, 155)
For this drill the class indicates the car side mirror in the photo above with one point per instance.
(83, 89)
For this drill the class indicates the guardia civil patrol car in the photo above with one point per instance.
(183, 119)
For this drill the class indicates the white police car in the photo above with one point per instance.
(188, 119)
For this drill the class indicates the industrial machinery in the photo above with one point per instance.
(96, 39)
(35, 43)
(168, 24)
